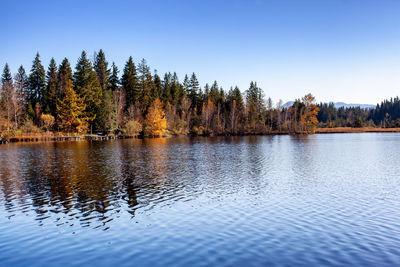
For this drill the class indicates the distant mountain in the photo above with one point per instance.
(337, 105)
(341, 104)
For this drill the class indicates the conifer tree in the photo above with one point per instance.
(166, 88)
(145, 84)
(157, 88)
(7, 95)
(114, 80)
(50, 97)
(129, 82)
(88, 87)
(21, 88)
(64, 76)
(194, 90)
(70, 112)
(186, 84)
(37, 82)
(102, 71)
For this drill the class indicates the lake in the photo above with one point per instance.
(329, 199)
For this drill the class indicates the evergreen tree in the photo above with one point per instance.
(102, 71)
(186, 85)
(7, 89)
(194, 90)
(130, 83)
(166, 88)
(6, 76)
(21, 87)
(254, 106)
(177, 91)
(145, 84)
(114, 80)
(37, 82)
(88, 87)
(63, 79)
(157, 87)
(50, 97)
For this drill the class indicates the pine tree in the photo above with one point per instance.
(37, 82)
(21, 88)
(50, 97)
(130, 83)
(102, 71)
(254, 106)
(88, 87)
(70, 112)
(186, 85)
(176, 90)
(64, 77)
(7, 95)
(194, 90)
(6, 76)
(166, 88)
(145, 84)
(114, 80)
(157, 88)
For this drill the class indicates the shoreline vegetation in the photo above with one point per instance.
(59, 137)
(95, 102)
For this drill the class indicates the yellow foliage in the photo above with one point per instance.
(132, 128)
(47, 121)
(71, 112)
(156, 123)
(309, 118)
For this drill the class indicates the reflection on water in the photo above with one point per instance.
(322, 199)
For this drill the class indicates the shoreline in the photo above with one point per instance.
(72, 138)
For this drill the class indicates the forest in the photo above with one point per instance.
(95, 98)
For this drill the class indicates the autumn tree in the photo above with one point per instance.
(47, 121)
(310, 113)
(70, 112)
(235, 107)
(156, 123)
(133, 128)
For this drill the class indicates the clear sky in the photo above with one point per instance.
(339, 50)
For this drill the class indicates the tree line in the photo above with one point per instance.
(94, 98)
(386, 114)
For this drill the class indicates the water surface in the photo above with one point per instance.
(329, 199)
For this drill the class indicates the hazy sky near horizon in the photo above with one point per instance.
(339, 50)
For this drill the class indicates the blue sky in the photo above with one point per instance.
(339, 50)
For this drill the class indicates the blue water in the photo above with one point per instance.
(315, 200)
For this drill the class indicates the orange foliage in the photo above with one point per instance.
(156, 123)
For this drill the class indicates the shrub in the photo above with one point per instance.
(132, 128)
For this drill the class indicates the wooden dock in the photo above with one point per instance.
(44, 138)
(100, 137)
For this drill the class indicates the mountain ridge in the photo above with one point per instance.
(338, 105)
